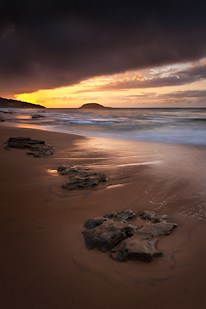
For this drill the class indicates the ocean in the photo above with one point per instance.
(170, 125)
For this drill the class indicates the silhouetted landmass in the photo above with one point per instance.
(9, 103)
(93, 105)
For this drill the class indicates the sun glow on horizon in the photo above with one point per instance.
(68, 97)
(119, 90)
(77, 95)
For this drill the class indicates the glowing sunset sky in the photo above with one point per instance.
(116, 53)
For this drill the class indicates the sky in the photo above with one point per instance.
(116, 53)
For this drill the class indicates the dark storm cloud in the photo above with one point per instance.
(47, 44)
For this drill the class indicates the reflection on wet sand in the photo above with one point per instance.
(41, 225)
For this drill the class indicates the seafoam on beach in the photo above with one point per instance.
(171, 125)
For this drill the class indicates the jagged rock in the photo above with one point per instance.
(111, 215)
(151, 230)
(67, 170)
(123, 215)
(23, 142)
(108, 234)
(147, 215)
(141, 246)
(128, 241)
(126, 214)
(91, 223)
(61, 168)
(38, 147)
(81, 182)
(80, 177)
(163, 217)
(136, 249)
(150, 215)
(159, 219)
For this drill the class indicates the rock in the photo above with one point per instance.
(151, 230)
(147, 215)
(80, 182)
(91, 223)
(126, 214)
(61, 168)
(38, 147)
(136, 249)
(159, 219)
(123, 215)
(23, 142)
(127, 240)
(111, 215)
(67, 170)
(80, 177)
(38, 155)
(150, 215)
(2, 120)
(141, 246)
(163, 217)
(108, 234)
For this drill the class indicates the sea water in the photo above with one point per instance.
(172, 125)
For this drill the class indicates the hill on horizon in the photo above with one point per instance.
(9, 103)
(93, 105)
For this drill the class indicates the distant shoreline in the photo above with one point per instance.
(105, 107)
(9, 103)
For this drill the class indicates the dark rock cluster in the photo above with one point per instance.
(127, 241)
(80, 178)
(37, 148)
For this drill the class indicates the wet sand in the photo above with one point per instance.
(44, 261)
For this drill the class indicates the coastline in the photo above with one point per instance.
(44, 260)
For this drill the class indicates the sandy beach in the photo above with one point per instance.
(44, 261)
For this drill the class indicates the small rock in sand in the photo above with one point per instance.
(80, 177)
